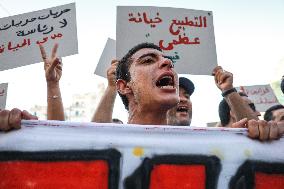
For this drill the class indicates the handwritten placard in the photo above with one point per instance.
(105, 60)
(186, 36)
(261, 95)
(21, 34)
(3, 95)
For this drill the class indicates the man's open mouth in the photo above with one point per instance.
(166, 82)
(182, 109)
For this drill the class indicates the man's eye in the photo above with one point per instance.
(148, 60)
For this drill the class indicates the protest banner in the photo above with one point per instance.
(21, 35)
(262, 96)
(107, 56)
(3, 95)
(55, 154)
(186, 36)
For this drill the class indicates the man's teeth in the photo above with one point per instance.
(167, 87)
(165, 82)
(167, 77)
(182, 109)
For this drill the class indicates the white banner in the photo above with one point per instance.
(21, 34)
(136, 154)
(187, 36)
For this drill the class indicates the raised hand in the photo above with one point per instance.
(223, 79)
(111, 73)
(52, 65)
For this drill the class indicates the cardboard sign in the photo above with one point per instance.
(53, 154)
(21, 34)
(105, 60)
(186, 36)
(3, 95)
(261, 95)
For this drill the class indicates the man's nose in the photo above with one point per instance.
(182, 99)
(166, 63)
(185, 99)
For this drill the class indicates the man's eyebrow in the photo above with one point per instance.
(168, 57)
(154, 55)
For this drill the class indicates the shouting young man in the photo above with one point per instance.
(147, 84)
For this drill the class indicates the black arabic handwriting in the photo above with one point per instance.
(24, 22)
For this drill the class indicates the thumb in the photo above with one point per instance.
(26, 115)
(240, 124)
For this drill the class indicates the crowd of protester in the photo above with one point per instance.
(152, 93)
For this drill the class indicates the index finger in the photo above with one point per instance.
(114, 65)
(26, 115)
(240, 124)
(54, 50)
(273, 132)
(114, 61)
(263, 130)
(216, 69)
(253, 130)
(42, 51)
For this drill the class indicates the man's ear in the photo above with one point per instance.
(123, 87)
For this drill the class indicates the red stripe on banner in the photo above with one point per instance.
(50, 175)
(178, 176)
(264, 181)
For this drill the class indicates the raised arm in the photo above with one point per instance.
(224, 81)
(53, 72)
(104, 110)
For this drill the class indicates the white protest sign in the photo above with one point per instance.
(114, 156)
(21, 34)
(3, 95)
(187, 36)
(107, 56)
(261, 95)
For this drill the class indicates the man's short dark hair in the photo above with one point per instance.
(187, 85)
(268, 116)
(122, 70)
(224, 110)
(282, 85)
(115, 120)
